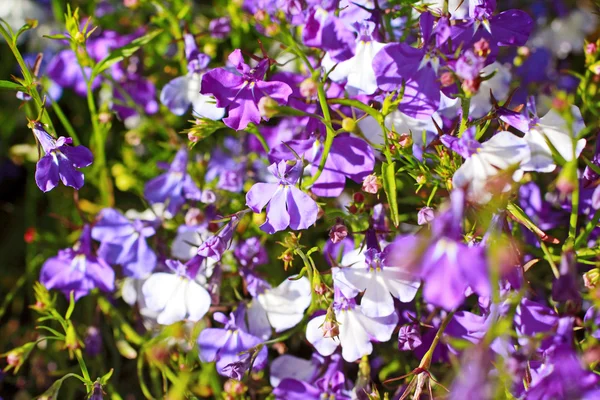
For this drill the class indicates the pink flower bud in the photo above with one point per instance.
(371, 184)
(338, 233)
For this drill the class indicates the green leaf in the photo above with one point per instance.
(71, 306)
(8, 85)
(124, 52)
(388, 176)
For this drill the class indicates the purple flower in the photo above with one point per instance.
(286, 204)
(425, 215)
(78, 270)
(141, 91)
(174, 186)
(93, 342)
(409, 337)
(216, 245)
(241, 92)
(220, 27)
(59, 161)
(250, 252)
(564, 378)
(64, 69)
(398, 63)
(124, 242)
(327, 32)
(230, 344)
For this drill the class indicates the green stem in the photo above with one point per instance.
(254, 130)
(588, 230)
(466, 105)
(65, 122)
(549, 259)
(328, 139)
(426, 360)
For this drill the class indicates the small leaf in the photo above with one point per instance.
(124, 52)
(388, 176)
(8, 85)
(71, 306)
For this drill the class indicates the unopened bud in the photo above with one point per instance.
(421, 180)
(471, 86)
(79, 37)
(13, 359)
(371, 184)
(425, 215)
(567, 179)
(482, 48)
(330, 329)
(591, 48)
(308, 88)
(338, 233)
(405, 140)
(447, 79)
(358, 197)
(348, 124)
(524, 51)
(591, 278)
(194, 217)
(268, 107)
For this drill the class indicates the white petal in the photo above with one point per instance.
(353, 336)
(314, 335)
(377, 300)
(285, 304)
(258, 322)
(197, 301)
(175, 309)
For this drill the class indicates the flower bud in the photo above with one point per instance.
(330, 329)
(591, 48)
(338, 233)
(421, 180)
(405, 140)
(524, 51)
(567, 179)
(308, 88)
(358, 197)
(348, 124)
(447, 79)
(371, 184)
(471, 86)
(425, 215)
(482, 48)
(194, 217)
(591, 278)
(268, 107)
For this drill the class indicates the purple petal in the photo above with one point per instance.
(511, 28)
(175, 95)
(68, 174)
(80, 156)
(46, 173)
(302, 209)
(222, 84)
(277, 215)
(259, 195)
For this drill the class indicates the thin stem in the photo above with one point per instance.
(549, 259)
(65, 122)
(588, 230)
(466, 105)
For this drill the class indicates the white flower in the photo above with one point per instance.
(182, 91)
(358, 70)
(502, 151)
(499, 84)
(284, 305)
(357, 331)
(379, 282)
(175, 298)
(554, 128)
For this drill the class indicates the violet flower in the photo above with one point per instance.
(241, 92)
(286, 204)
(227, 345)
(183, 91)
(78, 270)
(409, 337)
(173, 187)
(124, 242)
(326, 31)
(59, 161)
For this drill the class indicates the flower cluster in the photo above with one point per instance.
(369, 199)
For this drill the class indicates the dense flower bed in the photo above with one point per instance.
(299, 199)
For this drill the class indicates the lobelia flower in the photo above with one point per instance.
(284, 305)
(349, 158)
(176, 296)
(409, 337)
(299, 379)
(286, 204)
(59, 161)
(358, 70)
(78, 270)
(229, 165)
(324, 30)
(553, 128)
(124, 242)
(240, 93)
(356, 330)
(183, 91)
(487, 161)
(399, 64)
(227, 345)
(217, 244)
(173, 187)
(449, 267)
(381, 279)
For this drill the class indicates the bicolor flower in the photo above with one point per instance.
(240, 92)
(173, 187)
(553, 128)
(286, 204)
(356, 330)
(380, 279)
(358, 70)
(124, 242)
(175, 296)
(183, 91)
(78, 270)
(59, 161)
(486, 161)
(230, 344)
